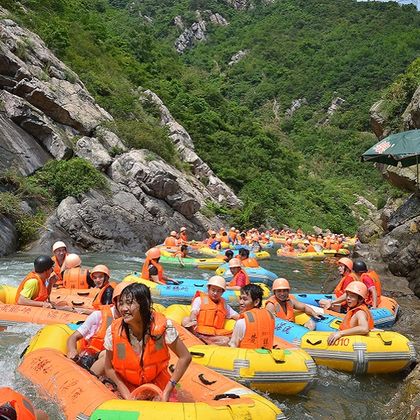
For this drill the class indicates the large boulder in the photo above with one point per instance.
(411, 116)
(8, 236)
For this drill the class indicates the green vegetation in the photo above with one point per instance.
(286, 170)
(64, 178)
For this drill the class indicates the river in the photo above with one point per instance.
(334, 395)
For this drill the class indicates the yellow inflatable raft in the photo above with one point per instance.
(202, 393)
(377, 352)
(282, 370)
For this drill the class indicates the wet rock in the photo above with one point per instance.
(8, 236)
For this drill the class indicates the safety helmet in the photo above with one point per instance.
(358, 287)
(71, 261)
(43, 263)
(232, 228)
(100, 269)
(119, 288)
(173, 233)
(234, 262)
(218, 281)
(347, 262)
(58, 244)
(183, 229)
(279, 284)
(153, 253)
(359, 266)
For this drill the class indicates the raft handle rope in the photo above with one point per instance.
(197, 354)
(205, 381)
(199, 285)
(313, 344)
(83, 293)
(386, 343)
(222, 396)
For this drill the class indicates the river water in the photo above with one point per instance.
(334, 395)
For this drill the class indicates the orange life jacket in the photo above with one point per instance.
(75, 278)
(259, 329)
(373, 276)
(225, 238)
(145, 270)
(343, 283)
(289, 315)
(42, 295)
(96, 343)
(310, 248)
(23, 407)
(233, 281)
(250, 262)
(57, 271)
(170, 241)
(232, 235)
(183, 237)
(126, 361)
(346, 324)
(336, 246)
(98, 298)
(212, 316)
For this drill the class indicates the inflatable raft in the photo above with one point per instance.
(202, 393)
(202, 263)
(186, 290)
(261, 255)
(256, 275)
(384, 316)
(284, 370)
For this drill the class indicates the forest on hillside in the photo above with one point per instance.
(298, 170)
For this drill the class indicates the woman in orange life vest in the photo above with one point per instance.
(152, 270)
(183, 235)
(255, 327)
(74, 276)
(14, 406)
(358, 319)
(59, 249)
(243, 255)
(360, 274)
(171, 240)
(137, 346)
(282, 306)
(36, 287)
(209, 311)
(92, 331)
(345, 267)
(240, 277)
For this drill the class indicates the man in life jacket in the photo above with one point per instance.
(36, 287)
(282, 306)
(59, 250)
(358, 320)
(240, 277)
(246, 261)
(371, 281)
(345, 268)
(209, 311)
(74, 276)
(255, 327)
(152, 270)
(171, 241)
(15, 406)
(232, 235)
(92, 332)
(181, 254)
(183, 235)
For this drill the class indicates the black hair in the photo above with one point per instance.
(255, 291)
(243, 252)
(229, 253)
(184, 248)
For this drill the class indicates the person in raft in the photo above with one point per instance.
(74, 276)
(360, 274)
(36, 287)
(228, 255)
(183, 237)
(246, 261)
(209, 311)
(240, 277)
(15, 406)
(92, 332)
(358, 319)
(182, 253)
(171, 240)
(282, 306)
(255, 327)
(152, 270)
(59, 250)
(137, 346)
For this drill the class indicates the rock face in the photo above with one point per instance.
(236, 58)
(47, 113)
(296, 104)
